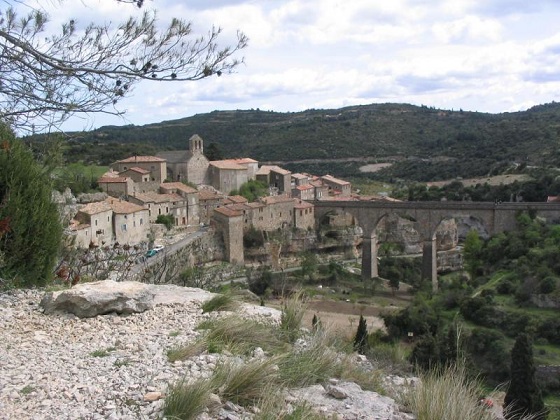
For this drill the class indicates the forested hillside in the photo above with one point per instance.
(417, 138)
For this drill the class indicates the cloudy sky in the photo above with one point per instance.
(477, 55)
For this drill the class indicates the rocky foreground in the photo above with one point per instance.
(60, 366)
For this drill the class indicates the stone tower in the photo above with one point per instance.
(197, 164)
(196, 145)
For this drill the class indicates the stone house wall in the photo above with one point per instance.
(100, 228)
(131, 228)
(230, 224)
(116, 187)
(275, 215)
(304, 217)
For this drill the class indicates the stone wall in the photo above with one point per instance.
(207, 248)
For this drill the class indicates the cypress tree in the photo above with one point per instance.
(31, 232)
(360, 340)
(523, 397)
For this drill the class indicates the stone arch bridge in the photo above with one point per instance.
(427, 215)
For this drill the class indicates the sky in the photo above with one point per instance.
(476, 55)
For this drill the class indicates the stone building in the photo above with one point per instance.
(208, 200)
(109, 221)
(337, 186)
(162, 205)
(227, 175)
(116, 186)
(304, 216)
(230, 223)
(138, 175)
(191, 197)
(188, 165)
(93, 224)
(276, 178)
(304, 192)
(277, 213)
(130, 222)
(155, 165)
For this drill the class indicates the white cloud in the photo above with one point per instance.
(492, 55)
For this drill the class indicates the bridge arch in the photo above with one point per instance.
(494, 217)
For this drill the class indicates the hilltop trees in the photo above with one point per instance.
(89, 68)
(30, 230)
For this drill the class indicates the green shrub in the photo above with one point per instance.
(166, 219)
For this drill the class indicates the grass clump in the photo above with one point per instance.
(186, 351)
(241, 336)
(292, 316)
(447, 395)
(219, 303)
(27, 389)
(310, 365)
(245, 384)
(102, 352)
(237, 335)
(185, 401)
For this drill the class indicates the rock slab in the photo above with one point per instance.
(102, 297)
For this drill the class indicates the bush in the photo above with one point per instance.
(505, 287)
(548, 285)
(167, 220)
(253, 238)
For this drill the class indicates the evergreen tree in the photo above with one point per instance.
(360, 340)
(213, 152)
(523, 397)
(31, 233)
(425, 353)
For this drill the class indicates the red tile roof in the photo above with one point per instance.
(123, 207)
(228, 212)
(227, 164)
(276, 199)
(132, 159)
(139, 170)
(178, 186)
(118, 179)
(96, 207)
(334, 180)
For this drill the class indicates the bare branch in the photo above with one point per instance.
(45, 80)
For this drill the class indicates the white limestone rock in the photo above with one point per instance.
(101, 297)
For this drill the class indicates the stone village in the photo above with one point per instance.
(141, 188)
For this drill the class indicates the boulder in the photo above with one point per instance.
(102, 297)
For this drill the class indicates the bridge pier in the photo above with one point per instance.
(369, 258)
(429, 263)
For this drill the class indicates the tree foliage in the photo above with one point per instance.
(360, 339)
(47, 78)
(30, 230)
(523, 396)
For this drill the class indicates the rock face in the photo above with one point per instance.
(349, 401)
(101, 297)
